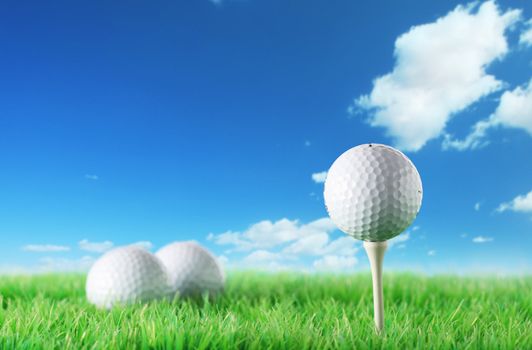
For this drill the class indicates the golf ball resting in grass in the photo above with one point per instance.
(373, 192)
(192, 269)
(126, 275)
(132, 274)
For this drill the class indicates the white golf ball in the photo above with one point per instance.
(373, 192)
(126, 275)
(192, 269)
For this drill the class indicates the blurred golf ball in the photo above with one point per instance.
(192, 269)
(373, 192)
(126, 275)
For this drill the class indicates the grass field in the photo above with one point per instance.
(276, 311)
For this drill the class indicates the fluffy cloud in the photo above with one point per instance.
(320, 177)
(95, 247)
(50, 264)
(292, 242)
(267, 234)
(223, 260)
(399, 239)
(335, 263)
(482, 239)
(526, 36)
(342, 246)
(439, 71)
(45, 248)
(14, 270)
(320, 244)
(309, 245)
(522, 203)
(514, 111)
(260, 256)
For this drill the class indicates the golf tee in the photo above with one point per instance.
(375, 252)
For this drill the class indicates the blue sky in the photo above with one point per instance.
(178, 120)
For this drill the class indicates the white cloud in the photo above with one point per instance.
(342, 246)
(320, 244)
(431, 252)
(291, 242)
(526, 36)
(439, 71)
(50, 264)
(95, 247)
(14, 270)
(228, 238)
(260, 256)
(309, 245)
(223, 260)
(320, 177)
(335, 263)
(399, 239)
(265, 260)
(522, 203)
(515, 108)
(267, 234)
(514, 111)
(45, 248)
(477, 206)
(482, 239)
(91, 177)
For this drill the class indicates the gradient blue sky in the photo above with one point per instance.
(158, 121)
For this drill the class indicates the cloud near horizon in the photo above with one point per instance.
(282, 244)
(56, 263)
(290, 244)
(335, 263)
(45, 248)
(267, 234)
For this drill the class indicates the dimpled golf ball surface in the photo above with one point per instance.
(192, 269)
(373, 192)
(126, 275)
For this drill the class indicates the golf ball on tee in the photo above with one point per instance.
(192, 269)
(126, 275)
(373, 192)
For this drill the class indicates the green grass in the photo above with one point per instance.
(276, 311)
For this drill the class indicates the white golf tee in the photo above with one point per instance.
(375, 251)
